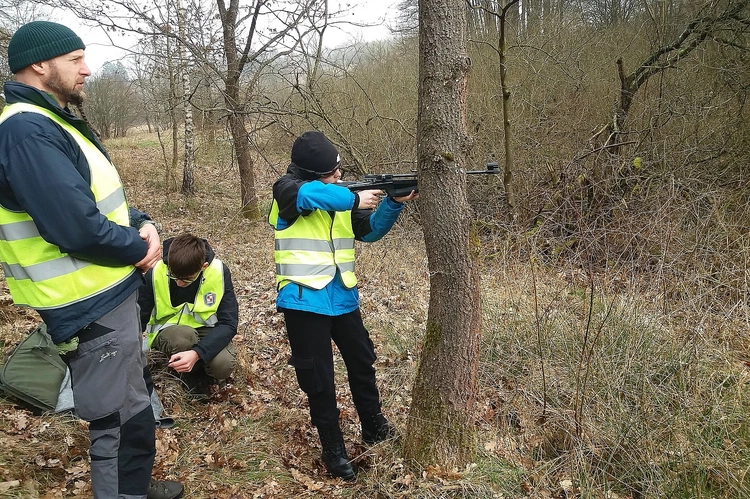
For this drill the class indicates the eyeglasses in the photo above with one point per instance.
(186, 280)
(325, 174)
(328, 174)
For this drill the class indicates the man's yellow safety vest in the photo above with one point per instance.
(38, 273)
(201, 313)
(313, 248)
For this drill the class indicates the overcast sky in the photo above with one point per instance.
(99, 49)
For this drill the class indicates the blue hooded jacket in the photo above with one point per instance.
(296, 197)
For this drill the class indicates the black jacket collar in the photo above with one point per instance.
(20, 92)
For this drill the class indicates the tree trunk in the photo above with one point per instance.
(248, 194)
(188, 164)
(173, 119)
(440, 428)
(235, 65)
(209, 126)
(507, 136)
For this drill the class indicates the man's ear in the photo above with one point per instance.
(205, 266)
(38, 67)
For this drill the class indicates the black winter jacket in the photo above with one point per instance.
(45, 173)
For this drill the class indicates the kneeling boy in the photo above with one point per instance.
(190, 311)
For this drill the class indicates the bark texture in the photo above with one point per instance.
(188, 178)
(440, 428)
(235, 64)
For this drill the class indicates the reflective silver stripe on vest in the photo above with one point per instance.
(301, 244)
(347, 266)
(44, 270)
(288, 269)
(18, 230)
(343, 244)
(185, 310)
(111, 202)
(210, 322)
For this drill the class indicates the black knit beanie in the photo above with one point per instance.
(314, 152)
(40, 41)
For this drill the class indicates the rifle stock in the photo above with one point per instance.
(401, 184)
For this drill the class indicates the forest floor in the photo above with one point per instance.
(254, 439)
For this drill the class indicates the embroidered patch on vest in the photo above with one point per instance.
(209, 299)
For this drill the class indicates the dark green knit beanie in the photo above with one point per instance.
(40, 41)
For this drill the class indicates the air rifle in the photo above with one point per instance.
(401, 184)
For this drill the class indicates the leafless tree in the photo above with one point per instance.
(602, 13)
(112, 101)
(14, 13)
(499, 20)
(440, 428)
(726, 23)
(188, 178)
(251, 38)
(154, 67)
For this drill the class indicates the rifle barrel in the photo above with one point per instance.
(491, 168)
(401, 184)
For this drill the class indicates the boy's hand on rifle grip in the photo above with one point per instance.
(401, 199)
(369, 199)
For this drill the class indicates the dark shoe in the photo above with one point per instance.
(164, 489)
(197, 385)
(375, 428)
(334, 453)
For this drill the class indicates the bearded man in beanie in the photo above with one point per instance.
(72, 249)
(316, 223)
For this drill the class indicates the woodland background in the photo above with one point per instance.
(614, 258)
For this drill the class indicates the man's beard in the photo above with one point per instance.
(70, 95)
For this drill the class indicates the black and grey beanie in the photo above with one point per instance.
(313, 152)
(39, 41)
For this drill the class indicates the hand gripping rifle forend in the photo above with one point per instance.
(401, 184)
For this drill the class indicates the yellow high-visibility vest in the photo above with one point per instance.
(38, 273)
(313, 248)
(200, 313)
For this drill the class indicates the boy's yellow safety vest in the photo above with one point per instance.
(201, 313)
(38, 273)
(313, 248)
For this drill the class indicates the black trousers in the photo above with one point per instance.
(310, 338)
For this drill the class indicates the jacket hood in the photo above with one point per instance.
(300, 173)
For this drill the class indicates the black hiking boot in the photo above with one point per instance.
(197, 385)
(375, 429)
(164, 489)
(334, 453)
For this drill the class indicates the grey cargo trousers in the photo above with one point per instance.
(111, 390)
